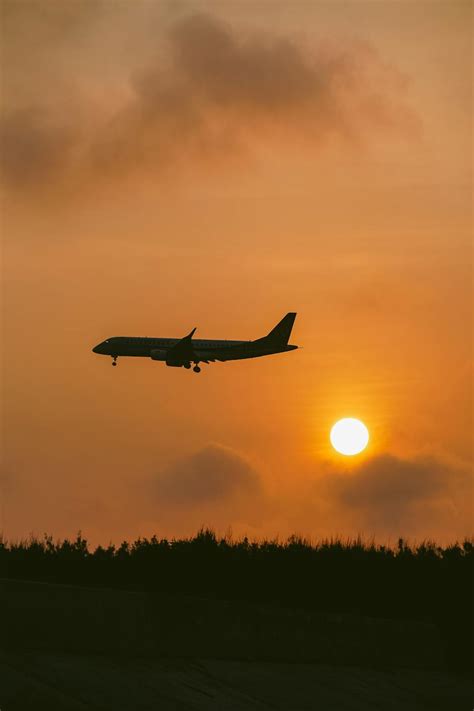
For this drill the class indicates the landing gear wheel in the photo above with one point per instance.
(114, 361)
(187, 366)
(197, 369)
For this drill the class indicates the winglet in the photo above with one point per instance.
(190, 335)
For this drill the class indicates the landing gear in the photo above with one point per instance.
(187, 366)
(197, 369)
(114, 361)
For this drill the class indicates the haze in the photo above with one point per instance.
(171, 165)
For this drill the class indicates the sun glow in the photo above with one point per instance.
(349, 436)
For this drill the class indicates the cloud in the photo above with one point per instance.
(35, 147)
(222, 90)
(216, 486)
(225, 70)
(386, 496)
(213, 474)
(395, 496)
(209, 97)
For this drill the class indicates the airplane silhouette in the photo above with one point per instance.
(181, 352)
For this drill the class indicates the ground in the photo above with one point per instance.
(60, 682)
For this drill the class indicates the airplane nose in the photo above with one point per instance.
(95, 349)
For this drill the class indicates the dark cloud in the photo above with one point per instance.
(387, 494)
(222, 90)
(226, 70)
(215, 474)
(215, 487)
(210, 94)
(389, 480)
(49, 18)
(35, 147)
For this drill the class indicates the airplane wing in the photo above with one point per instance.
(183, 350)
(222, 355)
(206, 357)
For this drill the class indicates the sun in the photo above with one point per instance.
(349, 436)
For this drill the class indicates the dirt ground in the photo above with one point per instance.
(60, 682)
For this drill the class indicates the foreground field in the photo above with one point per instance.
(67, 647)
(78, 683)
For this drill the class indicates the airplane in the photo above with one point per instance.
(181, 352)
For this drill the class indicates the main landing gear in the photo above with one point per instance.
(196, 368)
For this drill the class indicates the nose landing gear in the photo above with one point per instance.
(114, 361)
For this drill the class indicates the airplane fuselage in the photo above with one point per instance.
(145, 347)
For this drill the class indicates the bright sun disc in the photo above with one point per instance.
(349, 436)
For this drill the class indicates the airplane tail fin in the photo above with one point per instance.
(280, 335)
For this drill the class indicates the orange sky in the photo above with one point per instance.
(216, 165)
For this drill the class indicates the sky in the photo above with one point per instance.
(167, 165)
